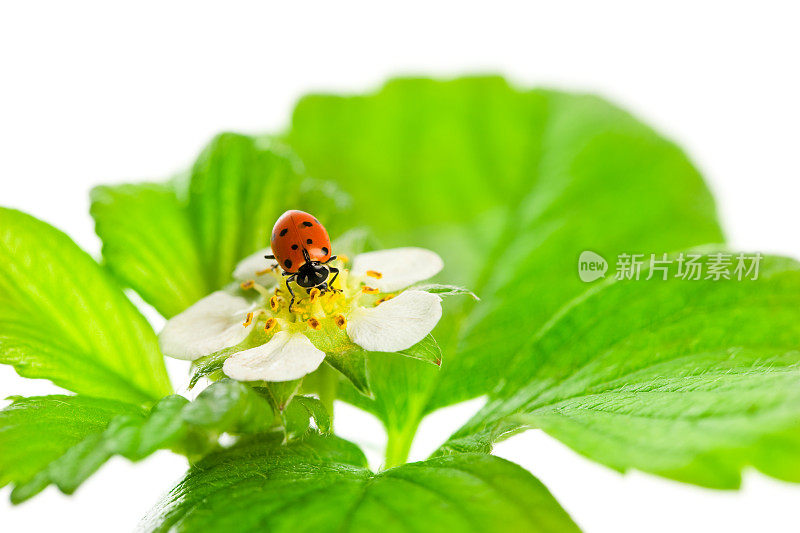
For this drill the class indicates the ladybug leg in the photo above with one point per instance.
(290, 278)
(335, 272)
(269, 256)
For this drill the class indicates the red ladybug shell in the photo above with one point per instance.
(294, 231)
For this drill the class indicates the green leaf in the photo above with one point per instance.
(509, 186)
(36, 431)
(256, 487)
(83, 433)
(177, 242)
(148, 243)
(237, 189)
(63, 318)
(691, 380)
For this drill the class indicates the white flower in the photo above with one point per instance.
(364, 311)
(400, 267)
(255, 267)
(285, 357)
(210, 325)
(396, 324)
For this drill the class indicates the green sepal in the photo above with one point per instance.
(317, 411)
(427, 350)
(295, 421)
(229, 406)
(343, 355)
(444, 290)
(353, 367)
(279, 393)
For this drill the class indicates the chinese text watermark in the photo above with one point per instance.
(684, 266)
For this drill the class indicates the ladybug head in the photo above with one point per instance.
(312, 274)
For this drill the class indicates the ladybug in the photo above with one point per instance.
(302, 248)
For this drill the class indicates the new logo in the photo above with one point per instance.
(591, 266)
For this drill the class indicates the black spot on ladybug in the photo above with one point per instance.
(309, 241)
(284, 231)
(307, 224)
(324, 250)
(295, 247)
(288, 263)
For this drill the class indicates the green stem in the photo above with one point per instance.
(328, 387)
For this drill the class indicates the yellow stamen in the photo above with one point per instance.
(369, 290)
(249, 284)
(333, 297)
(314, 294)
(274, 303)
(260, 289)
(340, 321)
(343, 258)
(313, 323)
(374, 274)
(248, 320)
(384, 299)
(270, 324)
(262, 272)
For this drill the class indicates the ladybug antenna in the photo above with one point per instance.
(306, 256)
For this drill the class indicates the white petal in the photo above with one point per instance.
(248, 267)
(284, 358)
(396, 324)
(211, 324)
(400, 267)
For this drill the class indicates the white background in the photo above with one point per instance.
(107, 92)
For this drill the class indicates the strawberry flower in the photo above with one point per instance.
(371, 308)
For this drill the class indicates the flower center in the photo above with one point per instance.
(312, 308)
